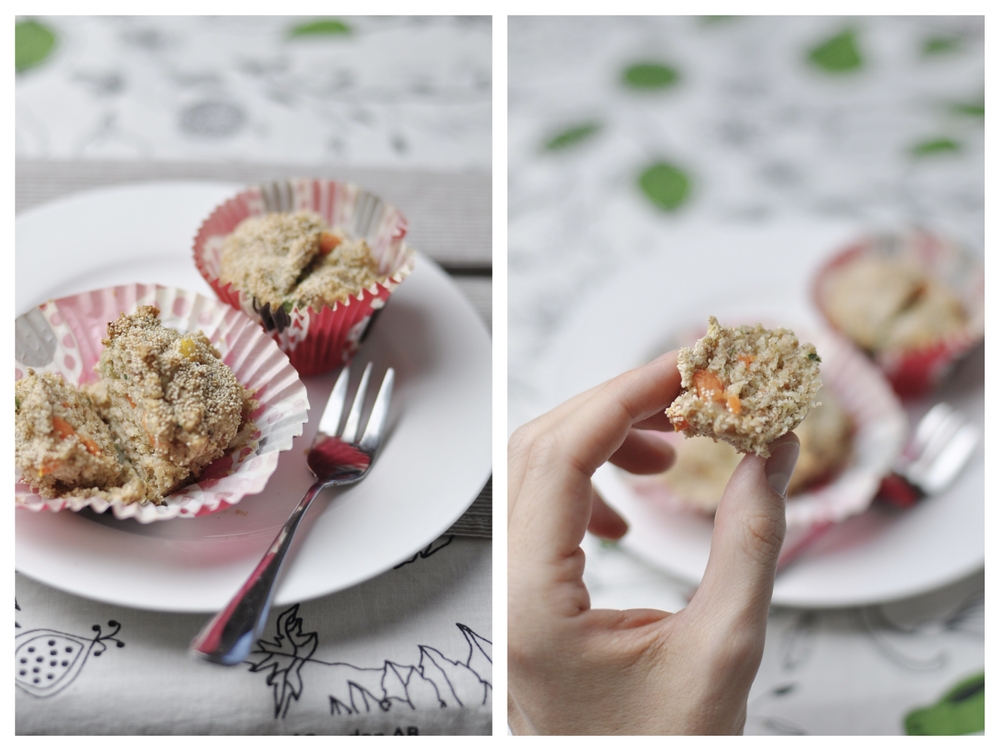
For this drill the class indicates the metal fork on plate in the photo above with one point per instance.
(941, 445)
(335, 459)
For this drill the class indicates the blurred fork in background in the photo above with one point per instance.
(932, 460)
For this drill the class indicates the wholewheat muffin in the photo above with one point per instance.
(746, 386)
(61, 446)
(703, 466)
(296, 260)
(169, 398)
(826, 441)
(885, 303)
(165, 407)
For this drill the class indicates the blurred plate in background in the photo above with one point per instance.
(878, 556)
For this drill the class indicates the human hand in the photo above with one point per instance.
(574, 670)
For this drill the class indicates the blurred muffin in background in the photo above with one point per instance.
(912, 301)
(703, 467)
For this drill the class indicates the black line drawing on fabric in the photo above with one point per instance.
(47, 661)
(283, 659)
(441, 542)
(16, 607)
(798, 640)
(782, 727)
(882, 631)
(434, 682)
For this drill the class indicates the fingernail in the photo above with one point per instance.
(780, 465)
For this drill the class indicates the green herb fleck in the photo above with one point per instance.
(287, 306)
(665, 185)
(325, 27)
(936, 146)
(650, 76)
(33, 42)
(572, 136)
(814, 357)
(838, 54)
(17, 403)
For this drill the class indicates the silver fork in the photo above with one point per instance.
(941, 445)
(335, 459)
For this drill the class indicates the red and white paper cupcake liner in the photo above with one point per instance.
(914, 372)
(879, 433)
(315, 341)
(64, 336)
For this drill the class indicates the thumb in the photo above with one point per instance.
(749, 530)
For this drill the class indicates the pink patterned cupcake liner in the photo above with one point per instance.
(879, 433)
(315, 341)
(914, 372)
(64, 336)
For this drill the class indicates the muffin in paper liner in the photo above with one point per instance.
(64, 336)
(879, 433)
(914, 371)
(315, 341)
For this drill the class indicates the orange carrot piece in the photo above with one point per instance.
(65, 430)
(327, 242)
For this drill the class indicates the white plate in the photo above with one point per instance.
(435, 460)
(878, 556)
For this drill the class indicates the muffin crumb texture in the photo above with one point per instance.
(164, 408)
(746, 386)
(295, 260)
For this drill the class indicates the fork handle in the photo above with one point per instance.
(228, 637)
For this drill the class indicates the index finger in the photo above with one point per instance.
(554, 500)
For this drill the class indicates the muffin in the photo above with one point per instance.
(65, 337)
(294, 259)
(703, 466)
(912, 301)
(61, 445)
(313, 261)
(746, 386)
(825, 444)
(172, 402)
(164, 408)
(884, 303)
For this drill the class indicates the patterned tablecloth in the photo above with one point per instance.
(623, 131)
(402, 106)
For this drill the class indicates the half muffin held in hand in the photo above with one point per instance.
(746, 386)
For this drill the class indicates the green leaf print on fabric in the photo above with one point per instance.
(839, 54)
(325, 27)
(572, 136)
(970, 109)
(665, 185)
(33, 42)
(650, 76)
(959, 712)
(941, 45)
(936, 146)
